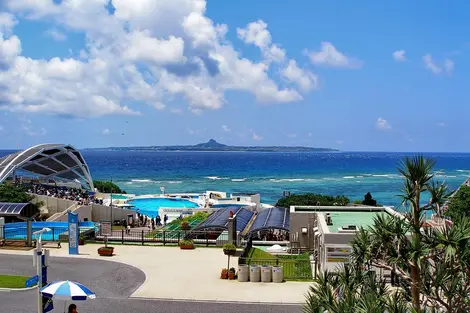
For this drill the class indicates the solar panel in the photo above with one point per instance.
(12, 209)
(274, 218)
(219, 218)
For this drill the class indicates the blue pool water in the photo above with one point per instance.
(19, 231)
(150, 206)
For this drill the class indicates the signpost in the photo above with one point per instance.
(74, 233)
(32, 281)
(105, 228)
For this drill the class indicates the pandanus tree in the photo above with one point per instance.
(433, 261)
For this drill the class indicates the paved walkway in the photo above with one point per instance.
(177, 274)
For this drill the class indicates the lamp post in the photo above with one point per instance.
(38, 261)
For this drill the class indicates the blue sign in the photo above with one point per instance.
(44, 276)
(74, 233)
(32, 281)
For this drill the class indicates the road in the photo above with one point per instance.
(113, 283)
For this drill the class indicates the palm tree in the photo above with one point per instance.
(439, 195)
(417, 173)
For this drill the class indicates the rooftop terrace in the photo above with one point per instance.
(357, 218)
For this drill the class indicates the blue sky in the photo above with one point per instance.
(368, 76)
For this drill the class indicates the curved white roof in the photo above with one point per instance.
(48, 161)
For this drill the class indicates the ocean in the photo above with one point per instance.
(352, 174)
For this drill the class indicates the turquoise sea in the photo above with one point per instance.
(349, 173)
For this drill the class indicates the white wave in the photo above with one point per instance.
(348, 177)
(287, 180)
(129, 183)
(366, 174)
(238, 179)
(142, 180)
(452, 176)
(216, 177)
(463, 171)
(382, 175)
(359, 176)
(175, 182)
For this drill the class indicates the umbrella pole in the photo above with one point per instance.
(65, 305)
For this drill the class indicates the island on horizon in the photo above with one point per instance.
(213, 145)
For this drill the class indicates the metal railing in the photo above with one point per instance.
(294, 269)
(164, 237)
(13, 234)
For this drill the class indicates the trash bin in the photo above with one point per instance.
(278, 274)
(266, 273)
(255, 273)
(243, 273)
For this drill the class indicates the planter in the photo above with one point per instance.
(231, 276)
(186, 247)
(106, 251)
(81, 242)
(229, 252)
(224, 275)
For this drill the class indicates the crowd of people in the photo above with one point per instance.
(75, 194)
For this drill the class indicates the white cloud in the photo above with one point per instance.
(257, 33)
(431, 65)
(449, 65)
(441, 124)
(148, 52)
(7, 22)
(225, 128)
(399, 55)
(328, 55)
(56, 35)
(256, 137)
(106, 131)
(383, 124)
(305, 79)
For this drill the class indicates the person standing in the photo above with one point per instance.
(165, 219)
(73, 308)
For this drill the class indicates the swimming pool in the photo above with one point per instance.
(18, 231)
(150, 206)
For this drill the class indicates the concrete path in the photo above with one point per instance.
(172, 273)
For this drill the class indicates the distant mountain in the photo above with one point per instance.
(213, 145)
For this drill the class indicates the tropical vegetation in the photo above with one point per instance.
(429, 266)
(311, 199)
(107, 187)
(14, 194)
(459, 205)
(369, 200)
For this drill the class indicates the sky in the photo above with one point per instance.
(356, 76)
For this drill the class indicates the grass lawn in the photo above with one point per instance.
(10, 281)
(296, 267)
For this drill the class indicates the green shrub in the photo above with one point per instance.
(312, 199)
(186, 242)
(229, 247)
(107, 187)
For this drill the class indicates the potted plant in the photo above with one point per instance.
(229, 249)
(106, 251)
(185, 226)
(81, 240)
(224, 274)
(186, 244)
(231, 273)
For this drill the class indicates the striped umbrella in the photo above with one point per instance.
(67, 290)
